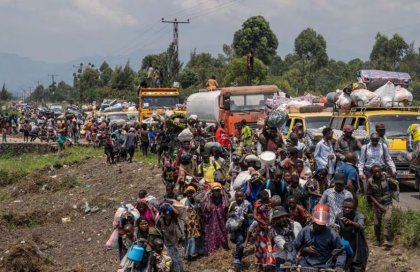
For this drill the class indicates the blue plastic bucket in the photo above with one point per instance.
(135, 253)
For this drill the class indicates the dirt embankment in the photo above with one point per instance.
(31, 213)
(32, 210)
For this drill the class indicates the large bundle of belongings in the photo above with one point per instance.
(357, 95)
(88, 107)
(176, 122)
(116, 105)
(302, 104)
(374, 79)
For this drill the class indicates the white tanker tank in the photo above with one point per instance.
(205, 105)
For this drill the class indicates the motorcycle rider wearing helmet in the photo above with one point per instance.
(318, 245)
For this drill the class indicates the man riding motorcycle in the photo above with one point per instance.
(318, 245)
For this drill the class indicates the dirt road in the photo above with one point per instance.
(32, 210)
(409, 198)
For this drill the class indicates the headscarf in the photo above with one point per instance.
(216, 186)
(190, 188)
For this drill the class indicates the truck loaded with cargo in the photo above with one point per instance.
(231, 104)
(157, 101)
(379, 97)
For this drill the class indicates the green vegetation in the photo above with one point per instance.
(405, 225)
(4, 93)
(69, 182)
(13, 168)
(307, 69)
(149, 159)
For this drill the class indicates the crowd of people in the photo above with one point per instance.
(300, 209)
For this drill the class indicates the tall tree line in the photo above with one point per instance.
(307, 69)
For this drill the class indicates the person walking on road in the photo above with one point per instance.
(324, 152)
(375, 153)
(334, 197)
(346, 143)
(352, 229)
(131, 143)
(380, 191)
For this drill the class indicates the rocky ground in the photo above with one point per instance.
(32, 213)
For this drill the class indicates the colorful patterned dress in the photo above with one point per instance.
(215, 232)
(263, 245)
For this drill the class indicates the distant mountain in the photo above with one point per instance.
(21, 73)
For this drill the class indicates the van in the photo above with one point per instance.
(121, 117)
(314, 121)
(396, 120)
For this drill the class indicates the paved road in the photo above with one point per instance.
(409, 198)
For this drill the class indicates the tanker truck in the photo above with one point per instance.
(231, 104)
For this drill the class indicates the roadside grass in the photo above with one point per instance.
(149, 159)
(405, 225)
(69, 182)
(15, 167)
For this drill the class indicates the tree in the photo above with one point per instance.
(411, 62)
(156, 60)
(106, 74)
(204, 65)
(188, 78)
(123, 78)
(39, 94)
(228, 51)
(256, 35)
(277, 66)
(86, 78)
(387, 53)
(173, 66)
(332, 76)
(312, 51)
(4, 93)
(236, 73)
(312, 47)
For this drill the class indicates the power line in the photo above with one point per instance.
(52, 78)
(138, 44)
(134, 43)
(175, 23)
(149, 44)
(213, 9)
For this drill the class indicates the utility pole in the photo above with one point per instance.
(175, 23)
(52, 79)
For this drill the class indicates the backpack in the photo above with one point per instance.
(185, 158)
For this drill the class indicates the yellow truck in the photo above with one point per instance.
(156, 101)
(314, 121)
(396, 120)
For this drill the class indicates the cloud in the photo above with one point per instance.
(7, 2)
(106, 10)
(66, 30)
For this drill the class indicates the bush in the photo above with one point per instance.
(405, 225)
(70, 181)
(8, 178)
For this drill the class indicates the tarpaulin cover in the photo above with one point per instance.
(277, 119)
(377, 78)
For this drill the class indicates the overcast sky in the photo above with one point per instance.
(64, 30)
